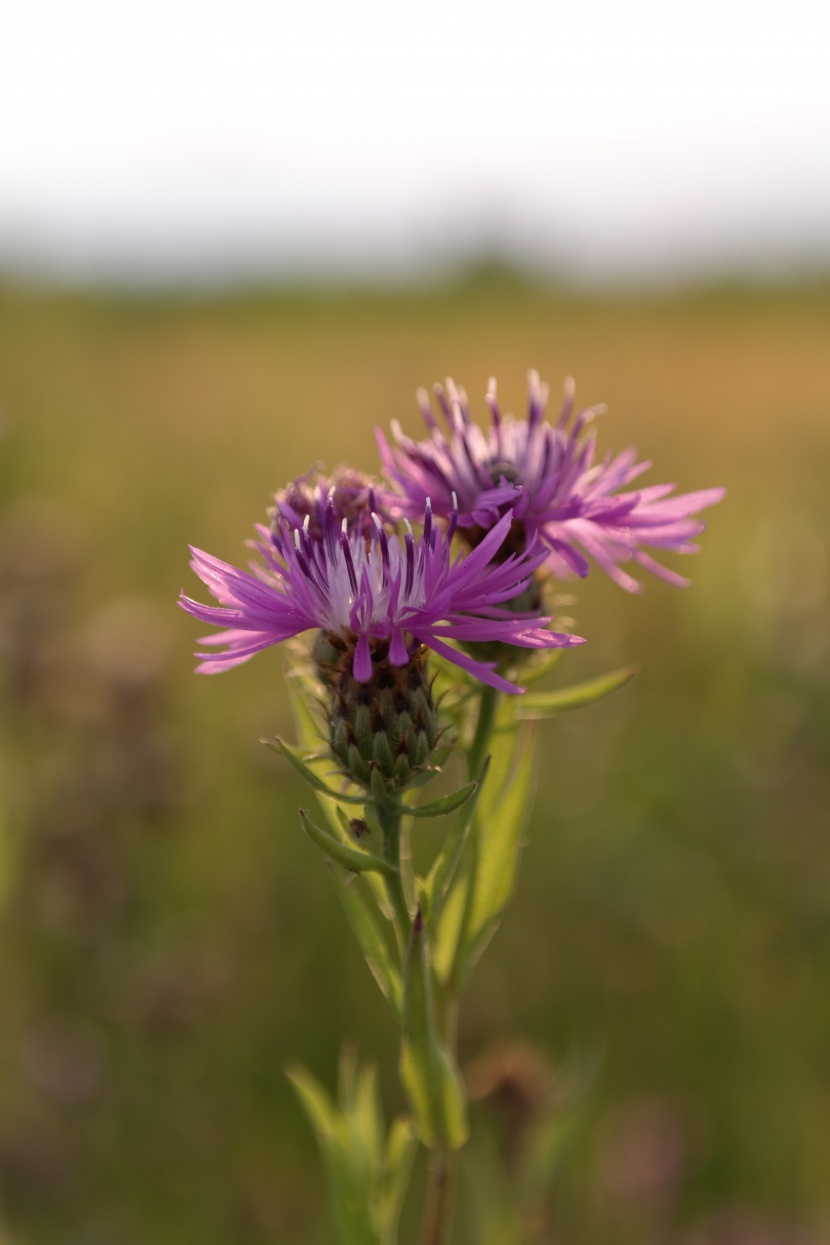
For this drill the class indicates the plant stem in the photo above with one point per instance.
(390, 819)
(487, 706)
(442, 1171)
(438, 1219)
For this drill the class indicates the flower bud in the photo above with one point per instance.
(388, 725)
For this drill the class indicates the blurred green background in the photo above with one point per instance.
(171, 941)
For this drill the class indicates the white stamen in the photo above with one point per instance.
(297, 544)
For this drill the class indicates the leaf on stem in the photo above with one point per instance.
(361, 913)
(501, 819)
(539, 665)
(490, 860)
(368, 1172)
(318, 1106)
(351, 858)
(546, 704)
(448, 804)
(437, 883)
(308, 774)
(400, 1155)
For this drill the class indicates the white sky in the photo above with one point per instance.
(187, 136)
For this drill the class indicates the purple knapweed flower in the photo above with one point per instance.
(548, 477)
(348, 492)
(381, 596)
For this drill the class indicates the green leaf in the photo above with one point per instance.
(351, 1171)
(360, 1104)
(486, 878)
(441, 755)
(318, 1106)
(545, 704)
(538, 666)
(400, 1155)
(448, 804)
(362, 916)
(351, 858)
(446, 862)
(368, 1172)
(347, 1071)
(500, 821)
(359, 828)
(451, 916)
(308, 774)
(431, 1081)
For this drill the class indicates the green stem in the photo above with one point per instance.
(389, 817)
(487, 706)
(440, 1199)
(476, 753)
(442, 1172)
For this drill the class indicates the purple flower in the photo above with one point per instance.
(348, 492)
(548, 477)
(379, 595)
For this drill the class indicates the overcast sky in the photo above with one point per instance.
(203, 136)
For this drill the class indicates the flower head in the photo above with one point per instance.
(547, 476)
(378, 598)
(347, 493)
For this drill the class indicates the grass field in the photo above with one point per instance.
(170, 941)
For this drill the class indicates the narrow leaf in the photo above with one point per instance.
(366, 1115)
(501, 825)
(351, 858)
(361, 914)
(425, 776)
(308, 774)
(448, 804)
(446, 862)
(451, 917)
(321, 1111)
(545, 704)
(400, 1155)
(347, 1072)
(491, 857)
(357, 828)
(538, 668)
(351, 1170)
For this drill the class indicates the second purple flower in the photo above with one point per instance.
(549, 477)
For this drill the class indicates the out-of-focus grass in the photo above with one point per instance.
(171, 941)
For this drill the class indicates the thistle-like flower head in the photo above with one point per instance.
(548, 478)
(346, 494)
(379, 597)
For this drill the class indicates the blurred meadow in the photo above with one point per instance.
(170, 941)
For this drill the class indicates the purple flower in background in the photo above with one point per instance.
(347, 492)
(548, 477)
(382, 595)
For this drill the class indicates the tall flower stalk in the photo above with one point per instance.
(412, 650)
